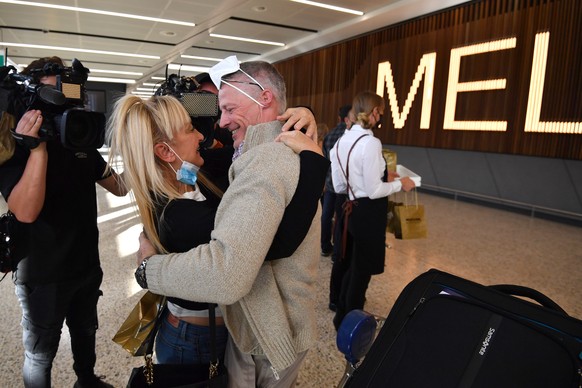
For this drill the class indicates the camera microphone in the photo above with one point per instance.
(47, 93)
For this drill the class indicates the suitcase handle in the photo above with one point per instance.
(531, 294)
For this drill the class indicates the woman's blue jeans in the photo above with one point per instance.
(187, 343)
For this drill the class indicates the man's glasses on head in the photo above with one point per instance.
(244, 82)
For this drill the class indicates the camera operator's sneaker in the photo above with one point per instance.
(92, 382)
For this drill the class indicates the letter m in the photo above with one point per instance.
(426, 68)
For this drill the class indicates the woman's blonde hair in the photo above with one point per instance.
(134, 128)
(363, 105)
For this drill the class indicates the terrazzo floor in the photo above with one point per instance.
(486, 245)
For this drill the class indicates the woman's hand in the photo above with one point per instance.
(392, 176)
(298, 142)
(146, 248)
(298, 118)
(407, 183)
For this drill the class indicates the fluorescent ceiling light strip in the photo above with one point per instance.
(39, 46)
(97, 11)
(150, 84)
(198, 69)
(159, 78)
(327, 6)
(247, 40)
(201, 58)
(138, 93)
(115, 72)
(145, 90)
(113, 80)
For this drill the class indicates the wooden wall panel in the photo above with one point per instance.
(330, 77)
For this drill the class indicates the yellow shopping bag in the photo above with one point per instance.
(409, 221)
(134, 335)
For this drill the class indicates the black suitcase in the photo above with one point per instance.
(445, 331)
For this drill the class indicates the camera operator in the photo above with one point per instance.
(51, 190)
(219, 150)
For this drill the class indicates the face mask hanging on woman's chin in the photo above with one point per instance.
(188, 173)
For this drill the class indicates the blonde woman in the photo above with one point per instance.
(359, 170)
(161, 156)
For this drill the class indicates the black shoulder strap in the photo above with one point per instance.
(347, 170)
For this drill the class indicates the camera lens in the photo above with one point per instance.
(82, 130)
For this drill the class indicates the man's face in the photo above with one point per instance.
(238, 111)
(49, 80)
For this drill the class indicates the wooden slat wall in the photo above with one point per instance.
(330, 77)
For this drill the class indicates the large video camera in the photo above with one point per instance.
(202, 106)
(62, 106)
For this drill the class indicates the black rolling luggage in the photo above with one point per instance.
(445, 331)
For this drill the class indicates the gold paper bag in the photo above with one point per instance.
(390, 157)
(134, 335)
(411, 221)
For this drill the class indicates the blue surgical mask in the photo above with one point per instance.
(188, 172)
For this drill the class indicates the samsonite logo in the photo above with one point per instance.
(487, 341)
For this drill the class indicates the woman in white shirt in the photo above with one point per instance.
(359, 170)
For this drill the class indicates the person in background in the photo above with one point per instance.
(261, 263)
(331, 213)
(322, 130)
(329, 196)
(51, 189)
(359, 170)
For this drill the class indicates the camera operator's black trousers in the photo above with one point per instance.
(44, 310)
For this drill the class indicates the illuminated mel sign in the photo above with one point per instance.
(426, 69)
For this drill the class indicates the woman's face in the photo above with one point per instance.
(376, 115)
(186, 143)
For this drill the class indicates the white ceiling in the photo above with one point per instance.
(302, 28)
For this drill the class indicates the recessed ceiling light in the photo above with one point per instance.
(201, 58)
(113, 80)
(168, 33)
(327, 6)
(248, 40)
(259, 8)
(115, 72)
(97, 11)
(76, 49)
(176, 66)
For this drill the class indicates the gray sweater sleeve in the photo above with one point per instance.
(223, 271)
